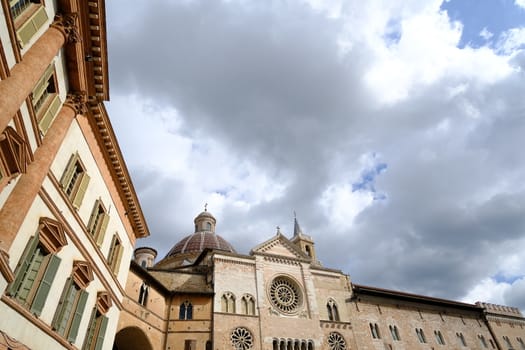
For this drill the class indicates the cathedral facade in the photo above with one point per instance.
(205, 295)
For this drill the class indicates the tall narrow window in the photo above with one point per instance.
(228, 302)
(75, 180)
(333, 313)
(98, 222)
(507, 341)
(482, 341)
(72, 302)
(96, 331)
(143, 294)
(394, 332)
(439, 338)
(45, 100)
(248, 305)
(115, 254)
(190, 344)
(374, 329)
(421, 335)
(186, 311)
(38, 266)
(461, 339)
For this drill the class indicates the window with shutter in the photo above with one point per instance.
(75, 180)
(98, 222)
(96, 331)
(115, 254)
(37, 268)
(70, 310)
(13, 155)
(29, 18)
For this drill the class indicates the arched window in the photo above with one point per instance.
(333, 313)
(247, 305)
(374, 329)
(421, 335)
(461, 339)
(228, 302)
(394, 332)
(186, 311)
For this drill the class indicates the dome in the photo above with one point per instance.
(203, 238)
(197, 242)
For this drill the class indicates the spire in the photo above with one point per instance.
(296, 228)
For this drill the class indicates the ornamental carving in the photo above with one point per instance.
(285, 295)
(241, 338)
(67, 23)
(336, 341)
(77, 101)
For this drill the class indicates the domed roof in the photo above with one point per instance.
(197, 242)
(203, 238)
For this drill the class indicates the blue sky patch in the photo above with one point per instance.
(486, 16)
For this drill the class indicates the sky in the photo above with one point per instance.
(394, 130)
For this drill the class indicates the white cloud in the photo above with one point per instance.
(511, 41)
(486, 34)
(520, 3)
(488, 290)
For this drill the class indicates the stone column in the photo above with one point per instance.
(26, 189)
(25, 74)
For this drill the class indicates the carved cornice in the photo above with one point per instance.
(77, 101)
(67, 24)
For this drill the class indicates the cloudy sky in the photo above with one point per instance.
(394, 129)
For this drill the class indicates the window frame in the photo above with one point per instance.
(98, 222)
(116, 250)
(186, 310)
(98, 324)
(75, 180)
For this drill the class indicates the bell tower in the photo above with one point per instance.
(304, 242)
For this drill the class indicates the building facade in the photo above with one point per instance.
(69, 215)
(204, 295)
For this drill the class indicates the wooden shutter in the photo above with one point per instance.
(31, 26)
(118, 257)
(79, 311)
(102, 230)
(45, 285)
(84, 181)
(50, 114)
(23, 265)
(68, 172)
(88, 340)
(101, 332)
(60, 309)
(93, 216)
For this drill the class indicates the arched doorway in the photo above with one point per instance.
(131, 338)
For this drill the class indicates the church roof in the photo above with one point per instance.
(203, 238)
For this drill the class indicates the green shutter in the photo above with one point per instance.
(111, 254)
(101, 333)
(79, 311)
(93, 216)
(77, 201)
(50, 114)
(23, 265)
(45, 285)
(60, 308)
(116, 265)
(68, 173)
(31, 26)
(88, 340)
(102, 230)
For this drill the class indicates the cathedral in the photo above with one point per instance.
(72, 278)
(205, 295)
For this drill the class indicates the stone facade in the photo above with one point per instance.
(279, 297)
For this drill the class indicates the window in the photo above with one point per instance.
(507, 341)
(98, 222)
(439, 337)
(186, 311)
(248, 304)
(13, 154)
(38, 266)
(96, 331)
(492, 343)
(143, 294)
(29, 16)
(461, 339)
(336, 341)
(45, 100)
(228, 302)
(115, 254)
(333, 314)
(522, 344)
(190, 344)
(73, 301)
(374, 329)
(394, 332)
(75, 180)
(241, 339)
(421, 335)
(482, 341)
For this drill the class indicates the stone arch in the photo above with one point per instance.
(132, 338)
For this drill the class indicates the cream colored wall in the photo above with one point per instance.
(509, 327)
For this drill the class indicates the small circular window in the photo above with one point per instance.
(336, 341)
(241, 339)
(285, 295)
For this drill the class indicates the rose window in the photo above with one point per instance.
(241, 339)
(336, 341)
(285, 295)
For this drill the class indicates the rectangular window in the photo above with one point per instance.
(70, 309)
(75, 180)
(98, 222)
(28, 16)
(45, 100)
(96, 331)
(115, 254)
(190, 344)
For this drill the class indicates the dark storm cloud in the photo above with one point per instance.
(269, 82)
